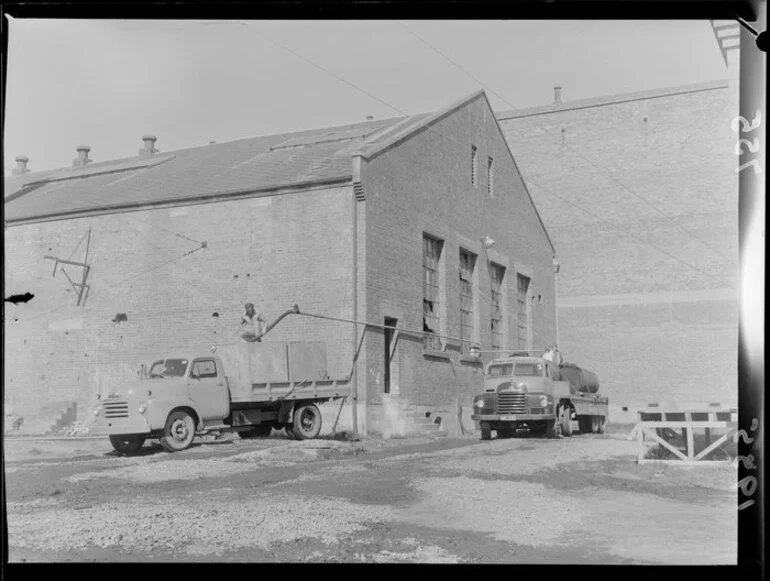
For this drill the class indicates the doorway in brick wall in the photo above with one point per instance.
(390, 363)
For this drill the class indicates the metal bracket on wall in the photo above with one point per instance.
(81, 288)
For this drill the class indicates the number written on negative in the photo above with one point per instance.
(752, 145)
(749, 484)
(746, 127)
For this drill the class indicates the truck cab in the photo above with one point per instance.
(521, 391)
(178, 396)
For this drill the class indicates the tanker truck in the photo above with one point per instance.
(540, 393)
(246, 387)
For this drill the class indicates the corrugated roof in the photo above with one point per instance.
(240, 166)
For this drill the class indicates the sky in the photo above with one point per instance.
(105, 83)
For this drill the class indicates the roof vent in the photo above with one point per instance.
(82, 158)
(149, 145)
(557, 95)
(21, 166)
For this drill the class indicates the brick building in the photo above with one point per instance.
(420, 222)
(640, 196)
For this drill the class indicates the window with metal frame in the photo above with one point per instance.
(431, 319)
(496, 274)
(522, 310)
(467, 318)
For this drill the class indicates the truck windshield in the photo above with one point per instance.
(168, 368)
(503, 370)
(529, 369)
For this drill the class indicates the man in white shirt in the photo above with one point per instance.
(252, 322)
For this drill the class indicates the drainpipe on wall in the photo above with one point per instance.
(354, 378)
(354, 382)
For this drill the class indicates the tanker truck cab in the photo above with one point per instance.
(179, 396)
(520, 391)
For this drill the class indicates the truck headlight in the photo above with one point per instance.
(545, 401)
(142, 408)
(97, 411)
(479, 403)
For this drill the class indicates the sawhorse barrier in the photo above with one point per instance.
(657, 422)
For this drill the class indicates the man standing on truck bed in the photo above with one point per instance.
(252, 322)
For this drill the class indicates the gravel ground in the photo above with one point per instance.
(570, 500)
(196, 524)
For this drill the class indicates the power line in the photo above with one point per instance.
(682, 261)
(319, 67)
(164, 230)
(603, 170)
(464, 146)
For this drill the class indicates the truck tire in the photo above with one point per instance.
(307, 422)
(127, 444)
(179, 432)
(258, 431)
(550, 429)
(486, 432)
(602, 425)
(565, 421)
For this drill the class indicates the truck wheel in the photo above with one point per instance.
(602, 425)
(179, 432)
(550, 429)
(258, 431)
(565, 422)
(486, 432)
(307, 422)
(127, 444)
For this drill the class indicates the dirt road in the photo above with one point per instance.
(523, 500)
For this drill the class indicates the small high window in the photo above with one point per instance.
(474, 155)
(490, 177)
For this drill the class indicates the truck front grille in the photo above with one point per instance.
(115, 409)
(511, 403)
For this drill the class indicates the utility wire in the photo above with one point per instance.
(597, 166)
(168, 231)
(594, 215)
(693, 267)
(350, 84)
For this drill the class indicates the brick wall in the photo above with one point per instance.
(273, 251)
(424, 185)
(681, 160)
